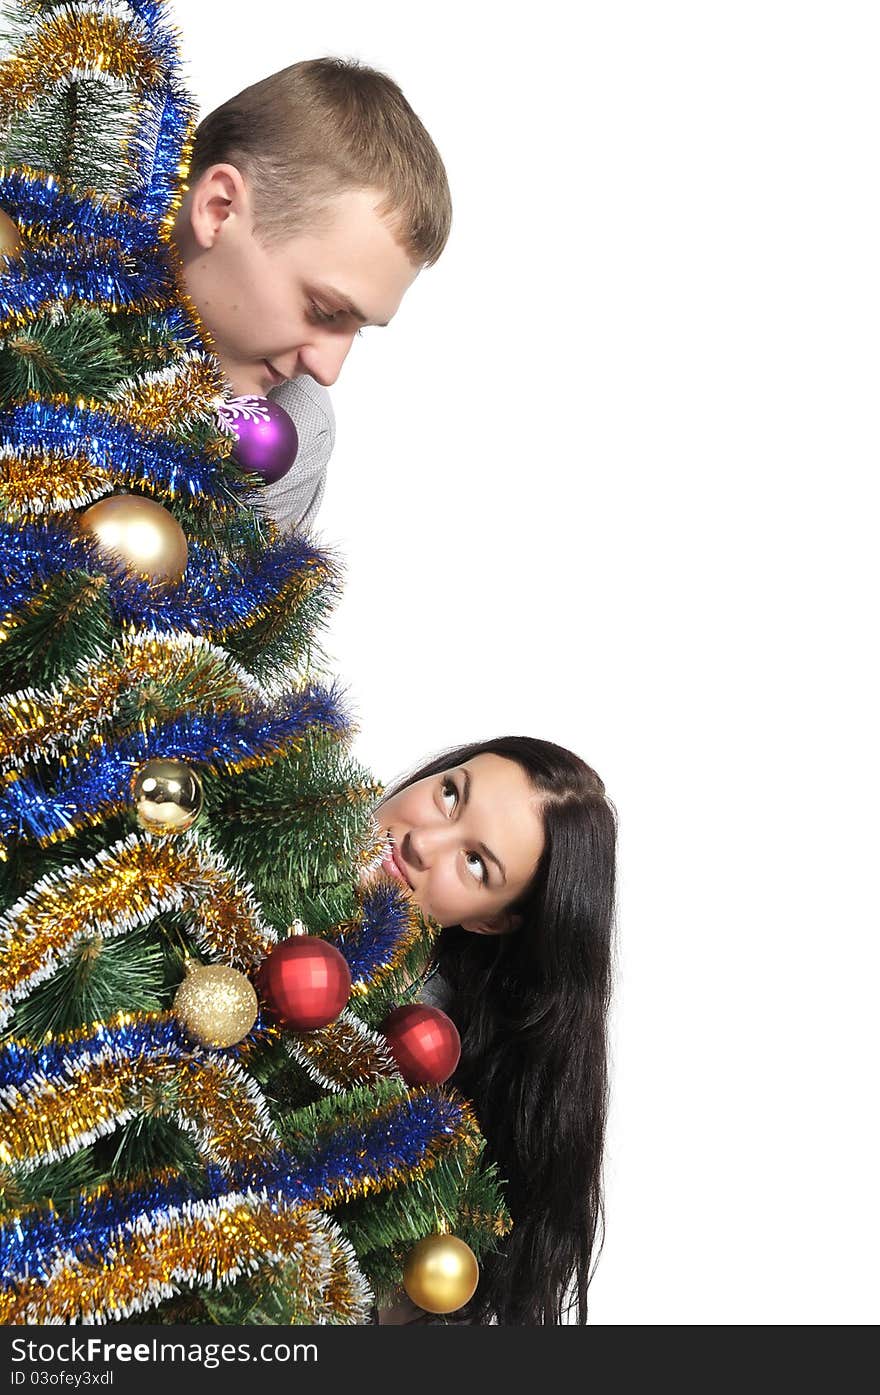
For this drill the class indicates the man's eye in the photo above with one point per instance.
(477, 867)
(324, 317)
(448, 791)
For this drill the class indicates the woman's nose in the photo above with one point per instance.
(422, 845)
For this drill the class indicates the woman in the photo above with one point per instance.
(510, 846)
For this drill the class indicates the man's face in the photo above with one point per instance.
(293, 307)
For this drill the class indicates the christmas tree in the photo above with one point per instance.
(181, 820)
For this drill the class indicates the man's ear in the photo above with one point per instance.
(502, 924)
(219, 194)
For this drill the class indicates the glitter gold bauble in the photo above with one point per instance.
(216, 1005)
(139, 531)
(441, 1273)
(10, 237)
(167, 795)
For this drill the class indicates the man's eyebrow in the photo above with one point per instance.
(465, 796)
(352, 308)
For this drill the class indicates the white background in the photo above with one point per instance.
(606, 480)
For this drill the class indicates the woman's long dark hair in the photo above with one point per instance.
(531, 1007)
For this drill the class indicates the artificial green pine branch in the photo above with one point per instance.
(276, 1296)
(145, 343)
(452, 1195)
(64, 624)
(76, 354)
(63, 1181)
(287, 635)
(286, 1086)
(68, 133)
(294, 828)
(149, 1143)
(104, 976)
(301, 1131)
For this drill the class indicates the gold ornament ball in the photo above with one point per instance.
(167, 796)
(441, 1274)
(216, 1005)
(140, 532)
(10, 237)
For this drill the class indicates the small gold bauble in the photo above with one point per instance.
(10, 237)
(441, 1273)
(139, 531)
(216, 1005)
(167, 795)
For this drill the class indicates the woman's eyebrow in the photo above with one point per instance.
(492, 858)
(481, 847)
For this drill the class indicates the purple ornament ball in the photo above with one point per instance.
(266, 438)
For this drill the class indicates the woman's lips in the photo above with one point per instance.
(391, 865)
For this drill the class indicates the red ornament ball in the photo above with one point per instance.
(305, 982)
(424, 1042)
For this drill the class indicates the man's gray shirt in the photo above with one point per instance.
(293, 501)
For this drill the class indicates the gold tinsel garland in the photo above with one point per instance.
(149, 302)
(35, 723)
(209, 1095)
(125, 887)
(190, 390)
(346, 1297)
(343, 1055)
(273, 614)
(156, 1254)
(210, 1242)
(37, 480)
(80, 42)
(495, 1223)
(48, 481)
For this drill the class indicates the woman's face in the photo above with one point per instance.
(467, 841)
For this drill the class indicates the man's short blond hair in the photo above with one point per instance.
(321, 128)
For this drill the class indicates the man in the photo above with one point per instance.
(315, 197)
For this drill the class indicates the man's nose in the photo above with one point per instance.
(323, 359)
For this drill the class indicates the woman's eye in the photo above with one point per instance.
(448, 791)
(476, 866)
(324, 317)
